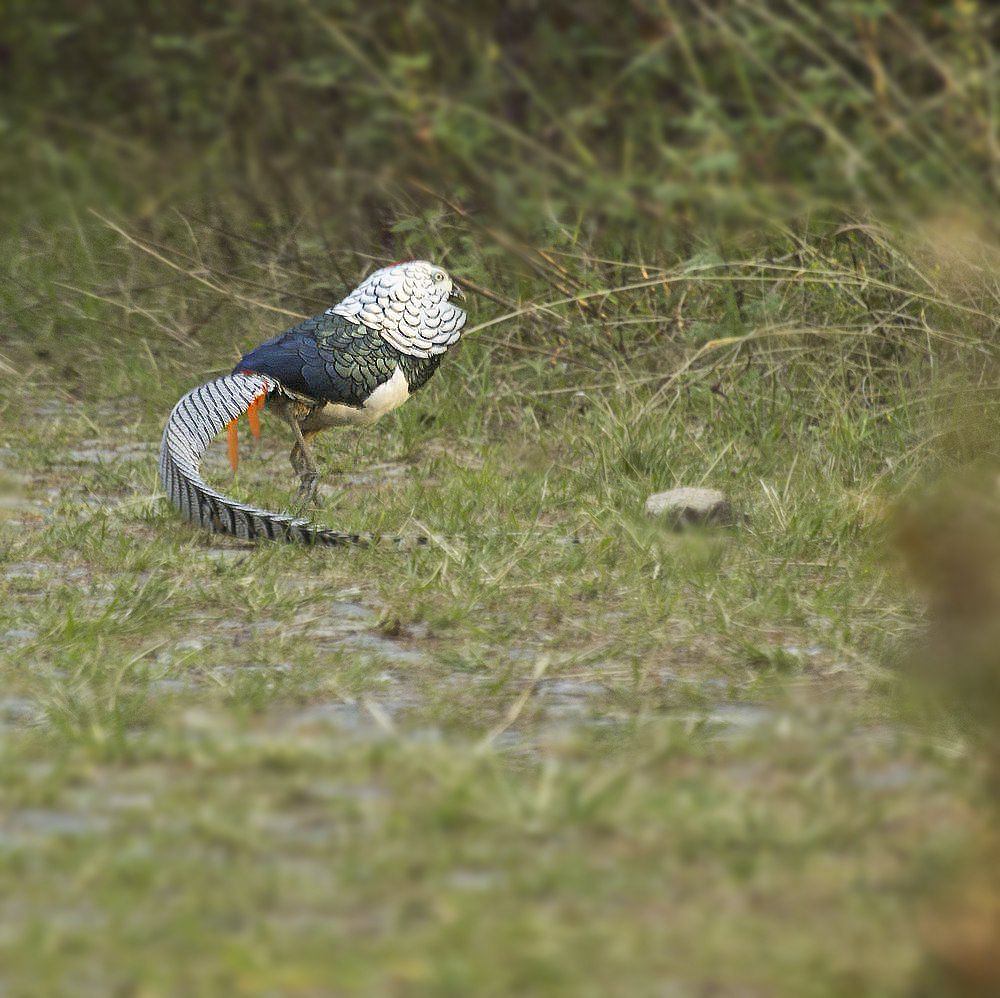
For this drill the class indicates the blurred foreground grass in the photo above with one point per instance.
(757, 243)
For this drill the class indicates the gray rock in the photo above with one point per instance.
(686, 506)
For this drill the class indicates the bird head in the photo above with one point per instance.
(410, 305)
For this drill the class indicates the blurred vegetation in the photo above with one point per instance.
(761, 238)
(542, 151)
(635, 126)
(950, 538)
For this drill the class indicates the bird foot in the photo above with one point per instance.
(308, 495)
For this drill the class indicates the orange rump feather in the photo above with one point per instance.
(253, 415)
(233, 429)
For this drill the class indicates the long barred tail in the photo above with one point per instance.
(195, 421)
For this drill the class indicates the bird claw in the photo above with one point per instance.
(308, 495)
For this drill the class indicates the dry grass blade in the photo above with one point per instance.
(517, 707)
(192, 274)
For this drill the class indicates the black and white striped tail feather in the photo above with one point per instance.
(192, 425)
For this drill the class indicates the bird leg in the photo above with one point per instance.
(305, 465)
(308, 494)
(302, 458)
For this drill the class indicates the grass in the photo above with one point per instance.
(644, 762)
(745, 248)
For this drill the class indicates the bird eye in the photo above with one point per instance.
(439, 276)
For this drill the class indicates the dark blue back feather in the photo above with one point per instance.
(327, 359)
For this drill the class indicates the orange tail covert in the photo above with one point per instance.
(253, 414)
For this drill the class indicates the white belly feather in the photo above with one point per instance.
(388, 396)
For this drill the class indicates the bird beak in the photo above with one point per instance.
(456, 293)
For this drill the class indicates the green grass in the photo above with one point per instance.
(505, 763)
(743, 247)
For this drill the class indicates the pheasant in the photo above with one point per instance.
(350, 366)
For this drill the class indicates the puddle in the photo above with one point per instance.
(567, 698)
(189, 644)
(167, 686)
(294, 829)
(349, 718)
(796, 651)
(474, 880)
(894, 776)
(19, 712)
(374, 646)
(51, 407)
(99, 452)
(124, 801)
(247, 670)
(17, 636)
(27, 826)
(17, 504)
(522, 654)
(516, 741)
(734, 720)
(36, 569)
(27, 569)
(357, 717)
(228, 553)
(343, 627)
(334, 621)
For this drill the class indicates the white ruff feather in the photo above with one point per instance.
(408, 306)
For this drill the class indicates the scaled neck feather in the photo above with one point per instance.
(408, 306)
